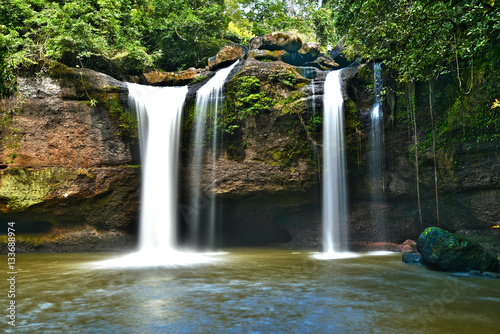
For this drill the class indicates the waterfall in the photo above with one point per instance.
(209, 100)
(158, 112)
(375, 139)
(334, 170)
(376, 156)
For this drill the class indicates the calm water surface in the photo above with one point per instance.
(248, 291)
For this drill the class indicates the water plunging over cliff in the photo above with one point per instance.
(158, 112)
(206, 136)
(334, 170)
(375, 139)
(376, 155)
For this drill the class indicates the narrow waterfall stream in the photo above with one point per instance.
(334, 206)
(375, 139)
(376, 153)
(209, 100)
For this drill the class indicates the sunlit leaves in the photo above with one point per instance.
(496, 104)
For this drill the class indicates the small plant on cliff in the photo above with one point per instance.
(249, 98)
(10, 139)
(496, 104)
(8, 83)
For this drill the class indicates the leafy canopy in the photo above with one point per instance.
(419, 38)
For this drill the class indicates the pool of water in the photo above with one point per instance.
(247, 291)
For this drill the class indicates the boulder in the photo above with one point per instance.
(266, 55)
(255, 43)
(281, 41)
(226, 56)
(309, 51)
(409, 246)
(452, 252)
(413, 258)
(157, 78)
(323, 63)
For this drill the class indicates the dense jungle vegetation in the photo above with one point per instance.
(419, 39)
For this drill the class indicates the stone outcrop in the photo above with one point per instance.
(281, 41)
(289, 49)
(181, 78)
(68, 153)
(266, 55)
(268, 150)
(452, 252)
(226, 56)
(309, 51)
(322, 63)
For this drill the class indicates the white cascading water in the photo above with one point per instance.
(159, 111)
(375, 139)
(209, 100)
(334, 204)
(376, 145)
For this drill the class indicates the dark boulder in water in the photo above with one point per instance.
(413, 258)
(452, 252)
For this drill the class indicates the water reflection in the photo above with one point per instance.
(250, 291)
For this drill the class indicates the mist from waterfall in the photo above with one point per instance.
(203, 212)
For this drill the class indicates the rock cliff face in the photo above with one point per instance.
(70, 164)
(68, 153)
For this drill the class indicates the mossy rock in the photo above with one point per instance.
(452, 252)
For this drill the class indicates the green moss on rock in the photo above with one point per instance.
(23, 188)
(452, 252)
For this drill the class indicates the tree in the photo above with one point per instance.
(419, 38)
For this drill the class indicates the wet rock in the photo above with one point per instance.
(281, 41)
(266, 55)
(73, 164)
(486, 274)
(157, 78)
(409, 246)
(255, 43)
(226, 56)
(309, 51)
(452, 252)
(413, 258)
(323, 63)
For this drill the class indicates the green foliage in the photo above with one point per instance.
(248, 97)
(418, 38)
(130, 36)
(124, 36)
(8, 83)
(124, 119)
(199, 79)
